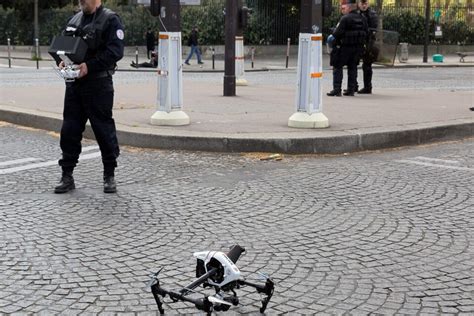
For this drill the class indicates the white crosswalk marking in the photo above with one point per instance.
(428, 164)
(45, 164)
(17, 161)
(437, 160)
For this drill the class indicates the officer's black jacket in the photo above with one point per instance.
(351, 30)
(371, 17)
(106, 47)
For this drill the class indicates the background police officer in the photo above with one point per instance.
(349, 40)
(90, 97)
(371, 52)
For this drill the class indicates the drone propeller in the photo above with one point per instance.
(153, 278)
(263, 276)
(215, 300)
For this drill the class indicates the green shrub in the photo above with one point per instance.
(208, 17)
(410, 26)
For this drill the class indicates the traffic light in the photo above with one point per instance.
(244, 14)
(168, 13)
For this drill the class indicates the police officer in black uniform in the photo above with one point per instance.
(371, 51)
(349, 39)
(90, 97)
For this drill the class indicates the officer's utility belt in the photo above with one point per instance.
(99, 75)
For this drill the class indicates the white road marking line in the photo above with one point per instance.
(437, 160)
(89, 148)
(45, 164)
(23, 160)
(427, 164)
(17, 161)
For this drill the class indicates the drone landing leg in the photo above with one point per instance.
(155, 289)
(266, 289)
(201, 304)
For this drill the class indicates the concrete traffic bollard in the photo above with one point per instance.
(170, 72)
(240, 62)
(309, 87)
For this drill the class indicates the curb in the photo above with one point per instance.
(349, 142)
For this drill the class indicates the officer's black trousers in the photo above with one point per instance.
(367, 70)
(89, 100)
(337, 76)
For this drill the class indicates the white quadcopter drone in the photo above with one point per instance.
(70, 70)
(70, 50)
(218, 270)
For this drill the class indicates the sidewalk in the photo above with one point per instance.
(256, 120)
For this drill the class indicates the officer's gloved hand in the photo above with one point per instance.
(331, 40)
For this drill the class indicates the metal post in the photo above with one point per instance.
(230, 32)
(213, 58)
(288, 52)
(37, 52)
(136, 55)
(427, 31)
(9, 53)
(253, 56)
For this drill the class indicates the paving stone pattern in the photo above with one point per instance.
(352, 234)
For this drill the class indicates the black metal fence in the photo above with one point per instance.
(278, 20)
(453, 13)
(275, 21)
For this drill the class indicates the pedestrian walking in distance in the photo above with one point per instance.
(348, 40)
(193, 42)
(91, 96)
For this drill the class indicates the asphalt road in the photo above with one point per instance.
(379, 232)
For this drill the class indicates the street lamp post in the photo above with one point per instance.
(36, 32)
(427, 31)
(230, 32)
(36, 26)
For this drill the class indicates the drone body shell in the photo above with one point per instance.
(231, 272)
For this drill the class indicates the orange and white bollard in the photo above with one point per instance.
(240, 62)
(309, 85)
(170, 81)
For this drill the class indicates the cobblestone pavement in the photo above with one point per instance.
(382, 232)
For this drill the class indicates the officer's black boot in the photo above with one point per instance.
(109, 178)
(109, 184)
(365, 91)
(349, 93)
(356, 89)
(334, 93)
(66, 184)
